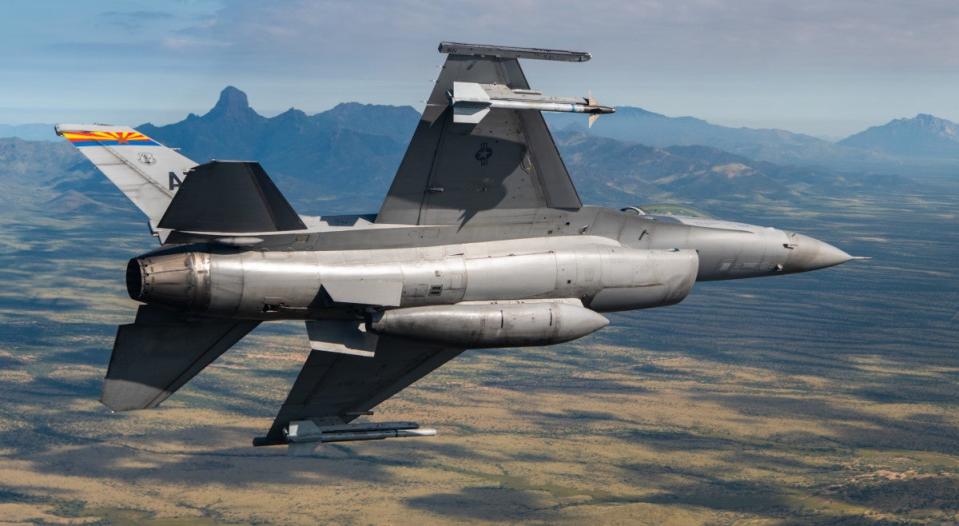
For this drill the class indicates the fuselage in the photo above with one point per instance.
(607, 259)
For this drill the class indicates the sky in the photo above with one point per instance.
(823, 67)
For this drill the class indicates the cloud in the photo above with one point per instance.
(183, 42)
(745, 61)
(717, 34)
(734, 37)
(137, 15)
(135, 20)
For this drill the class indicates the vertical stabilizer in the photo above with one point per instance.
(147, 172)
(493, 158)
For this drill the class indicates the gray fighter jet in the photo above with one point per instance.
(482, 241)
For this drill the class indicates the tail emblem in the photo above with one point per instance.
(108, 138)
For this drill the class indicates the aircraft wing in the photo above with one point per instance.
(334, 388)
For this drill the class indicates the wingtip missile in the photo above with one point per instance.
(307, 432)
(472, 101)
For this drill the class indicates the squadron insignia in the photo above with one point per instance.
(483, 154)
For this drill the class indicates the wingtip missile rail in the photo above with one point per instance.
(484, 50)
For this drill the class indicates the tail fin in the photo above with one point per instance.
(484, 158)
(147, 172)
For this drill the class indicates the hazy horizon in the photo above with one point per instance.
(823, 68)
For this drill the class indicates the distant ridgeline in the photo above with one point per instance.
(29, 132)
(334, 161)
(343, 159)
(921, 137)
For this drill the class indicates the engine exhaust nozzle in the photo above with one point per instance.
(177, 280)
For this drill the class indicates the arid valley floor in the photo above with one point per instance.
(822, 398)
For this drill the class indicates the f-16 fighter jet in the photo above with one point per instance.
(482, 241)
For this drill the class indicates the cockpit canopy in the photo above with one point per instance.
(666, 209)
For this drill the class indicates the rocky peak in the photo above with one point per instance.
(232, 103)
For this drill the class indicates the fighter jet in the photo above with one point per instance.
(481, 241)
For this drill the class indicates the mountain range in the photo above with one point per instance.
(359, 146)
(923, 136)
(30, 132)
(343, 160)
(334, 161)
(608, 171)
(633, 124)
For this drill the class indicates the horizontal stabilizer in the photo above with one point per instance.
(230, 196)
(160, 352)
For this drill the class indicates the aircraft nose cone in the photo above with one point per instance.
(810, 254)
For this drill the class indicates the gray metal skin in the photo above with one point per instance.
(498, 255)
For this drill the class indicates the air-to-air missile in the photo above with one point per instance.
(472, 102)
(482, 241)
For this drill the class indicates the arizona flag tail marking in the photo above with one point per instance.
(108, 138)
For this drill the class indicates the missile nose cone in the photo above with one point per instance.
(810, 254)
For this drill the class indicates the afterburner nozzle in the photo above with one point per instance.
(177, 280)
